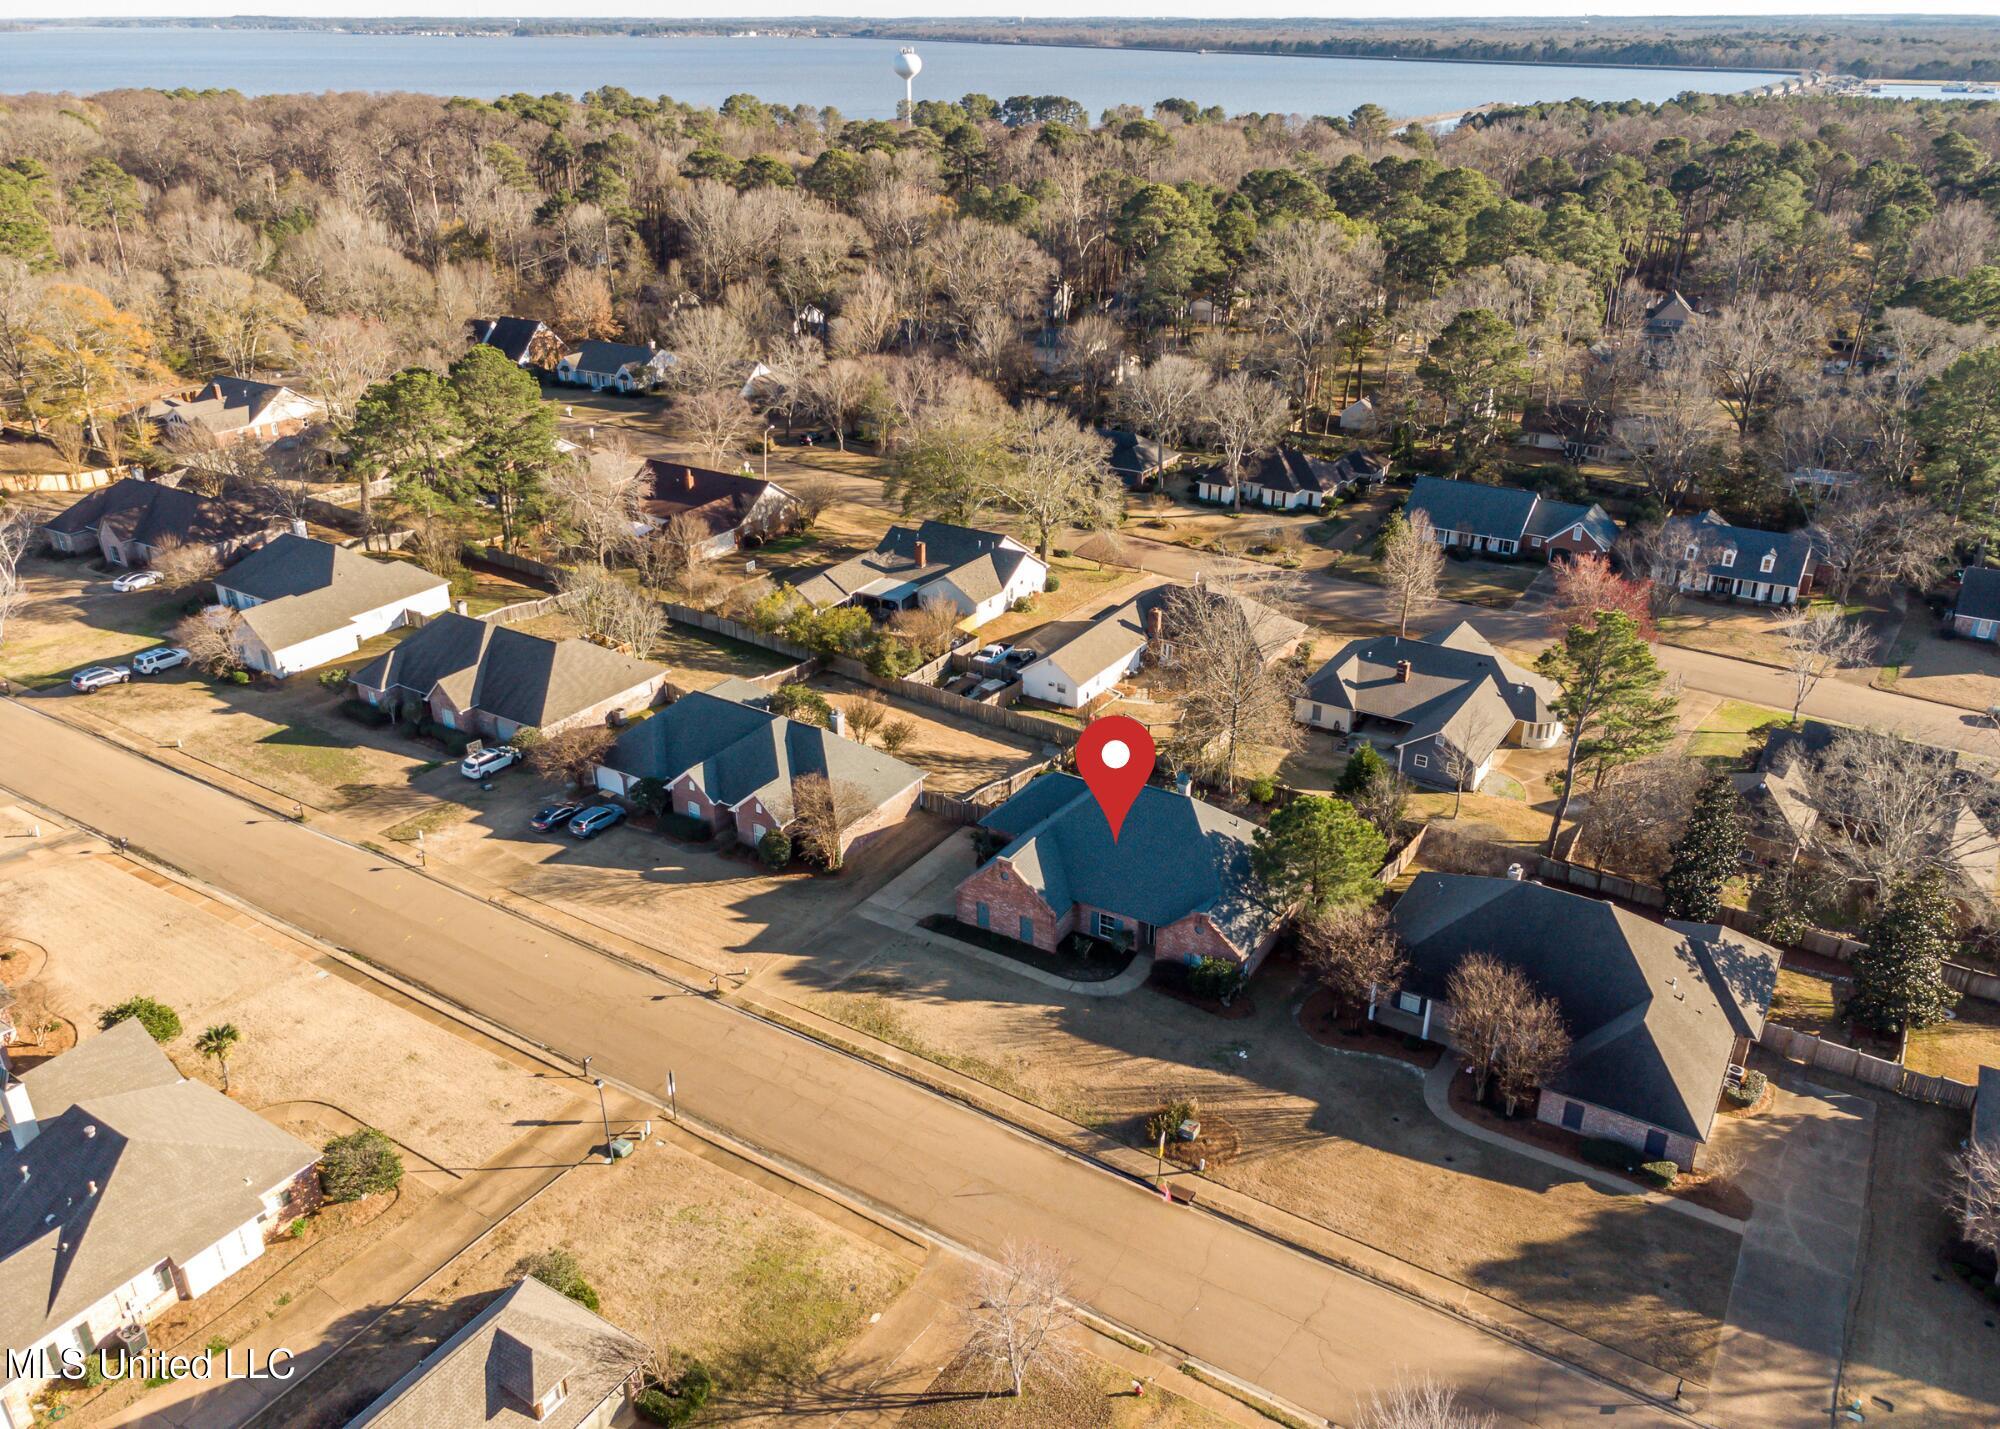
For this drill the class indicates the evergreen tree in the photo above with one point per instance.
(1899, 976)
(1364, 766)
(407, 429)
(1321, 850)
(513, 436)
(1613, 700)
(1708, 851)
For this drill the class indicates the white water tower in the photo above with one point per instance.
(909, 64)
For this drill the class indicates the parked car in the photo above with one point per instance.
(595, 820)
(135, 580)
(554, 816)
(481, 763)
(990, 653)
(151, 662)
(1019, 658)
(97, 677)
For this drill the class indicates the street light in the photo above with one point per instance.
(608, 1157)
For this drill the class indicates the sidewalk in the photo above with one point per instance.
(343, 1305)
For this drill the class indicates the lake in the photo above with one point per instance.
(853, 76)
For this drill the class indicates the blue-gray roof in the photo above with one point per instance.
(1174, 856)
(1552, 518)
(1791, 551)
(1501, 511)
(1979, 594)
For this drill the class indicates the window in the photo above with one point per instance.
(1769, 563)
(694, 809)
(1109, 925)
(1421, 761)
(554, 1397)
(1693, 550)
(1535, 540)
(1409, 1002)
(1572, 1116)
(1319, 714)
(1656, 1144)
(1728, 556)
(756, 833)
(1027, 928)
(163, 1278)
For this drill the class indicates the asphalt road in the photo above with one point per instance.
(1324, 1338)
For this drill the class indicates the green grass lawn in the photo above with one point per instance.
(1960, 1047)
(1804, 1002)
(1732, 730)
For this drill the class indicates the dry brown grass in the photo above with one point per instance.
(1098, 1397)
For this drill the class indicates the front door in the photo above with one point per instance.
(1656, 1145)
(1573, 1116)
(985, 916)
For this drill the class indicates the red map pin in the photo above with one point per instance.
(1115, 757)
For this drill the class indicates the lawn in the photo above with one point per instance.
(71, 617)
(1094, 1396)
(1496, 584)
(1745, 630)
(1805, 1002)
(1964, 673)
(1960, 1047)
(1081, 587)
(695, 659)
(1732, 730)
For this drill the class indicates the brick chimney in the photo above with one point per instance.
(1156, 625)
(687, 478)
(1402, 672)
(923, 554)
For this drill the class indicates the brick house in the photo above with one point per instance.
(1976, 613)
(127, 1189)
(235, 409)
(736, 509)
(132, 520)
(493, 681)
(1176, 882)
(979, 573)
(1657, 1012)
(731, 764)
(1508, 521)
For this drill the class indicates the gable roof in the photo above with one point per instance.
(515, 337)
(496, 1369)
(608, 359)
(1501, 511)
(1114, 637)
(1979, 594)
(736, 751)
(150, 512)
(1653, 1010)
(307, 587)
(1288, 469)
(225, 404)
(980, 563)
(506, 673)
(719, 499)
(1552, 518)
(1671, 311)
(1791, 551)
(1174, 856)
(176, 1166)
(1460, 688)
(1134, 457)
(1360, 464)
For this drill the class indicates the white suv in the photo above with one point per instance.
(488, 761)
(90, 681)
(151, 662)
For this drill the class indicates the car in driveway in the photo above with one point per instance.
(151, 662)
(595, 820)
(483, 762)
(135, 580)
(86, 682)
(1019, 658)
(553, 816)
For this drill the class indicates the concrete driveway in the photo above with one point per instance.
(1805, 1164)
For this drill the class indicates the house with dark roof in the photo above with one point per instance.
(1082, 660)
(1976, 613)
(1508, 521)
(981, 573)
(532, 1356)
(493, 681)
(737, 510)
(1670, 316)
(1443, 705)
(233, 409)
(302, 602)
(131, 520)
(1657, 1013)
(1176, 883)
(1579, 432)
(1770, 567)
(1286, 479)
(126, 1189)
(619, 366)
(525, 342)
(730, 763)
(1138, 461)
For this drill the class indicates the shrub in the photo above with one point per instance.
(1061, 553)
(1167, 1120)
(802, 703)
(161, 1022)
(889, 658)
(361, 1163)
(677, 1403)
(1053, 583)
(1263, 791)
(332, 679)
(1746, 1094)
(775, 848)
(239, 677)
(1661, 1175)
(1214, 977)
(557, 1269)
(1614, 1154)
(361, 712)
(683, 827)
(1023, 605)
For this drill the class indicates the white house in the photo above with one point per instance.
(620, 366)
(304, 602)
(1358, 416)
(1082, 661)
(127, 1188)
(979, 573)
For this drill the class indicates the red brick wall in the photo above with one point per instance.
(1196, 937)
(685, 789)
(1574, 542)
(1007, 901)
(885, 818)
(302, 1199)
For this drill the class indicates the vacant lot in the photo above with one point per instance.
(308, 1036)
(72, 618)
(694, 659)
(955, 753)
(1965, 673)
(1345, 1140)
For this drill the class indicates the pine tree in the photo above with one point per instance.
(1706, 854)
(1364, 766)
(1899, 977)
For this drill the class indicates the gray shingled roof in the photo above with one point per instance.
(1113, 637)
(151, 512)
(1792, 550)
(1552, 518)
(177, 1166)
(513, 336)
(720, 499)
(736, 750)
(1500, 511)
(1653, 1010)
(608, 359)
(504, 672)
(226, 404)
(310, 587)
(980, 563)
(1979, 594)
(495, 1370)
(1288, 469)
(1174, 856)
(1459, 686)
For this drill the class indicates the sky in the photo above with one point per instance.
(1230, 9)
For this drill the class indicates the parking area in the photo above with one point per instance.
(71, 617)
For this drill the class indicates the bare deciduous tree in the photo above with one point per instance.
(1495, 1015)
(1245, 414)
(1973, 1196)
(17, 533)
(613, 612)
(1412, 560)
(1019, 1323)
(1353, 951)
(1889, 809)
(1874, 538)
(1673, 440)
(716, 422)
(825, 810)
(1534, 1048)
(1635, 815)
(865, 715)
(1061, 477)
(813, 494)
(1162, 400)
(1818, 640)
(1671, 556)
(209, 637)
(1233, 699)
(581, 306)
(596, 501)
(1425, 1404)
(1752, 346)
(570, 756)
(1464, 748)
(183, 565)
(932, 627)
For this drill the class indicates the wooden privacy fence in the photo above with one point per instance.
(1852, 1062)
(522, 610)
(971, 807)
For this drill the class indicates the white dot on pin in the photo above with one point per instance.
(1115, 755)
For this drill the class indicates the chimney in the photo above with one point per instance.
(838, 724)
(299, 527)
(1516, 872)
(1184, 784)
(1156, 625)
(923, 554)
(20, 1114)
(687, 478)
(461, 608)
(1402, 672)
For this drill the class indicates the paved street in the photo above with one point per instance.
(1318, 1336)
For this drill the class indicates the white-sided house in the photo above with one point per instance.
(1444, 705)
(127, 1188)
(1742, 562)
(304, 602)
(234, 409)
(1358, 416)
(980, 573)
(1083, 660)
(619, 366)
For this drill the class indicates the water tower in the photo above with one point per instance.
(909, 64)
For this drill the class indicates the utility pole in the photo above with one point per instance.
(609, 1159)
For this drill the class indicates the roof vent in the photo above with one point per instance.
(1516, 872)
